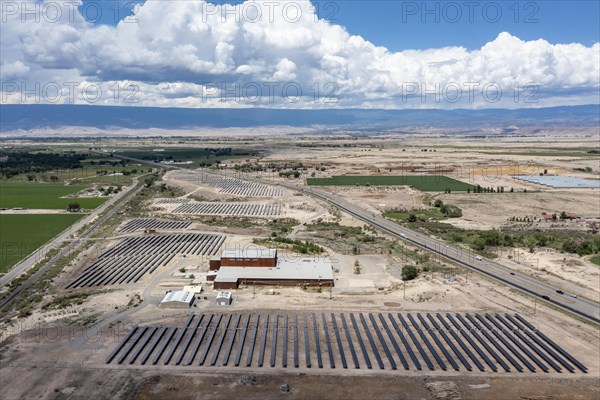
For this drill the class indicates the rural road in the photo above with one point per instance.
(587, 309)
(125, 195)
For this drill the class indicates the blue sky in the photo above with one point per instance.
(401, 25)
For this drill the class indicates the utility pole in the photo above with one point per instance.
(404, 282)
(534, 304)
(254, 289)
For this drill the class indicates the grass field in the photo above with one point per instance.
(425, 183)
(43, 196)
(595, 260)
(21, 234)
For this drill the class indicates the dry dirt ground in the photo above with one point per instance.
(78, 383)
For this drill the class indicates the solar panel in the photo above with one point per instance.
(339, 341)
(556, 347)
(263, 341)
(219, 344)
(394, 343)
(506, 343)
(411, 353)
(371, 341)
(386, 349)
(153, 345)
(143, 345)
(428, 344)
(169, 336)
(496, 345)
(134, 341)
(471, 342)
(284, 342)
(188, 340)
(122, 343)
(517, 343)
(306, 342)
(363, 348)
(210, 339)
(238, 354)
(179, 338)
(296, 344)
(274, 340)
(317, 341)
(349, 340)
(198, 341)
(231, 339)
(252, 340)
(449, 342)
(327, 341)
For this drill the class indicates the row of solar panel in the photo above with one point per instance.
(153, 223)
(237, 209)
(413, 341)
(134, 257)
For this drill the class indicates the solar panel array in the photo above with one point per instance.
(235, 209)
(229, 185)
(497, 343)
(134, 257)
(152, 223)
(172, 201)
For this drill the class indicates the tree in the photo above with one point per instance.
(409, 272)
(73, 207)
(149, 181)
(438, 203)
(545, 172)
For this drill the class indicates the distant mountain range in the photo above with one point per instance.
(31, 117)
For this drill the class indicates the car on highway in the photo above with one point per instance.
(545, 297)
(560, 291)
(478, 258)
(512, 273)
(573, 295)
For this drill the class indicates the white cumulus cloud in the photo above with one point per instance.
(195, 54)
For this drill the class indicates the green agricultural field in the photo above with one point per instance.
(595, 260)
(425, 183)
(43, 196)
(22, 234)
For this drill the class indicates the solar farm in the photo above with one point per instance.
(228, 185)
(140, 224)
(231, 209)
(381, 341)
(132, 258)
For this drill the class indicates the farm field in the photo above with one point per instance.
(425, 183)
(21, 234)
(43, 196)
